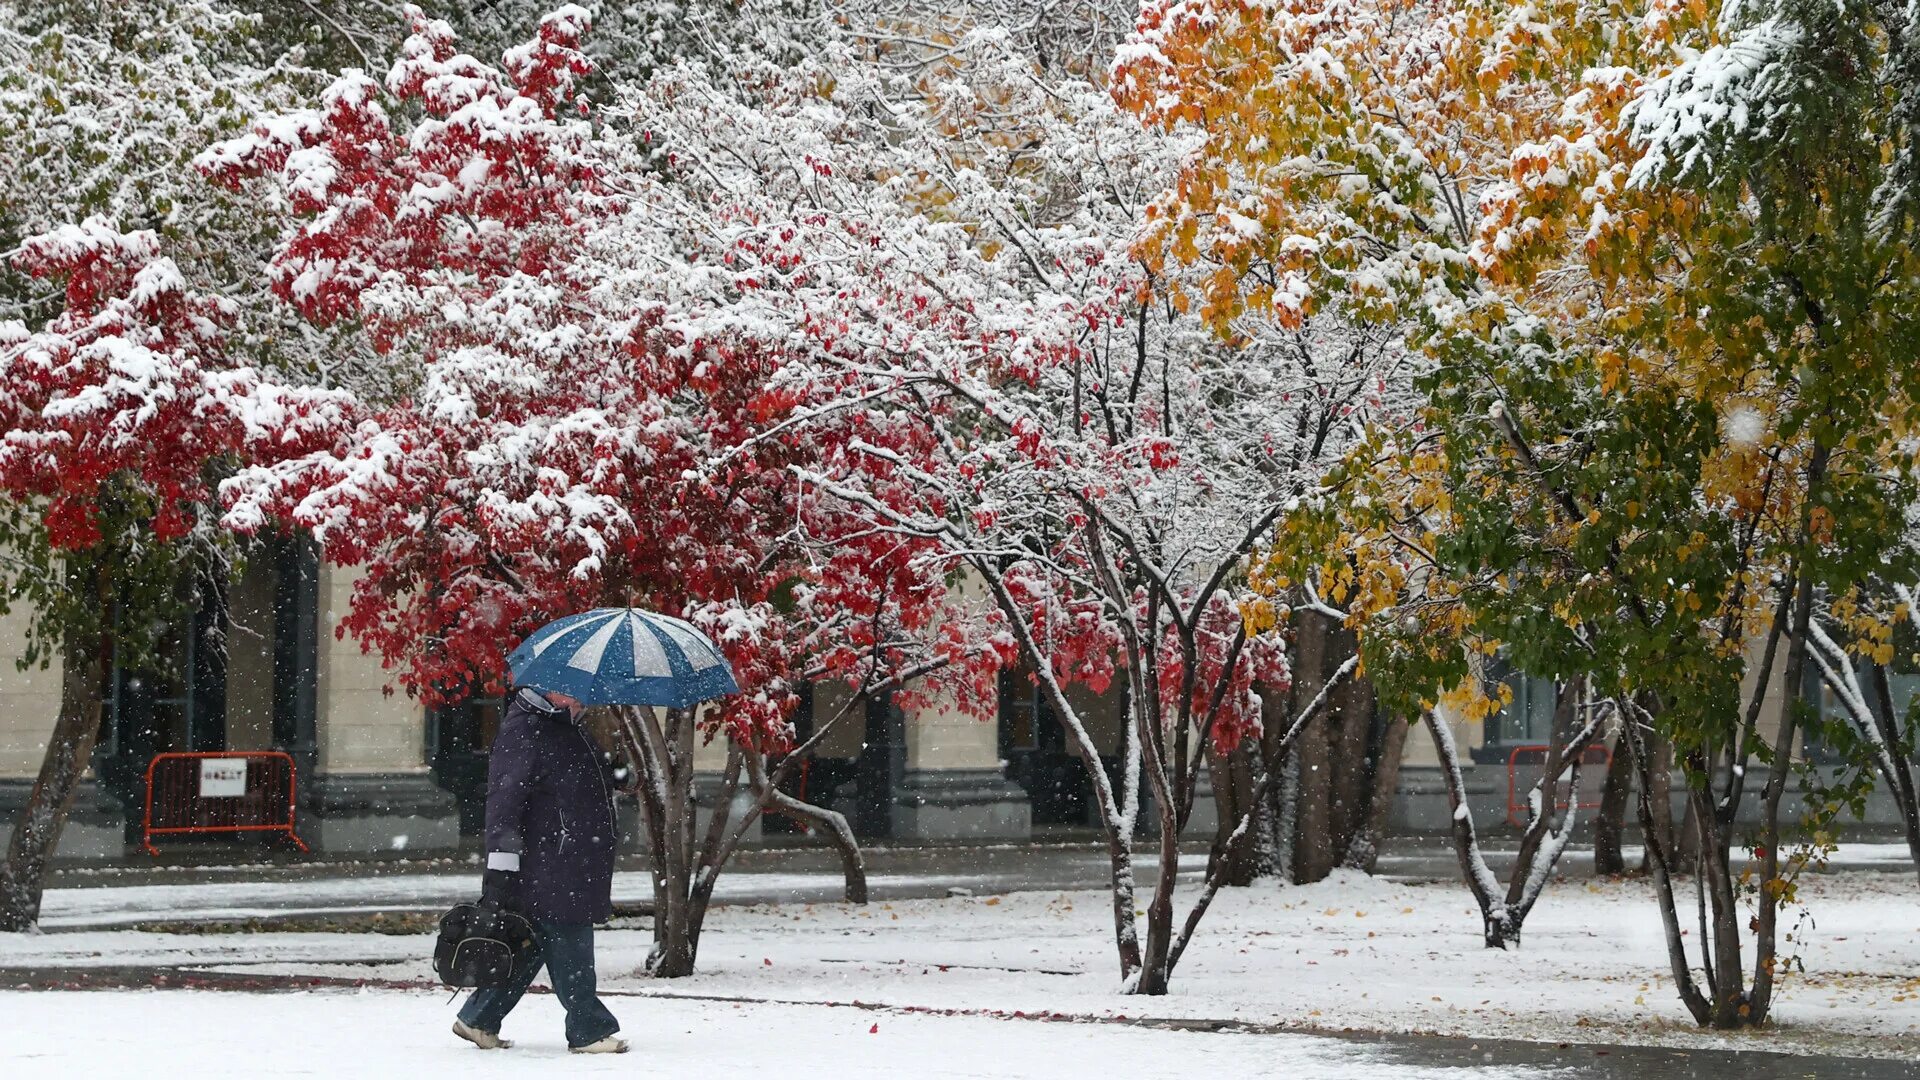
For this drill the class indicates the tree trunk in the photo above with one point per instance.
(1548, 830)
(1504, 912)
(1765, 958)
(1343, 758)
(1496, 927)
(36, 832)
(853, 867)
(1155, 971)
(1314, 853)
(1660, 869)
(1237, 857)
(1659, 773)
(1611, 821)
(1363, 853)
(1900, 781)
(666, 808)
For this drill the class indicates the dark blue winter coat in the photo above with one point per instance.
(550, 803)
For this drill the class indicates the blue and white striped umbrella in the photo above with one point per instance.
(623, 656)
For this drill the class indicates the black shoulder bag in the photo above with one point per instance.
(483, 945)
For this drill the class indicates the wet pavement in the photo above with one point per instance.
(1573, 1060)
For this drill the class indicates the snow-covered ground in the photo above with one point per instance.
(218, 900)
(1352, 952)
(212, 1036)
(116, 905)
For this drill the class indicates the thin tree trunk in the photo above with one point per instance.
(1504, 912)
(853, 867)
(768, 798)
(1547, 830)
(1497, 928)
(1363, 852)
(36, 832)
(1154, 969)
(1272, 775)
(1720, 945)
(1766, 920)
(714, 848)
(665, 805)
(1116, 811)
(677, 957)
(1164, 777)
(1900, 784)
(1660, 869)
(1608, 859)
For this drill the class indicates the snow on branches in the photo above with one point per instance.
(485, 185)
(132, 381)
(943, 269)
(575, 434)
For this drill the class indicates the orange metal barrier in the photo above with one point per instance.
(236, 791)
(1594, 762)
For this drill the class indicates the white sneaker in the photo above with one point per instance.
(612, 1044)
(485, 1040)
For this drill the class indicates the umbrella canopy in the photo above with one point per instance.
(623, 656)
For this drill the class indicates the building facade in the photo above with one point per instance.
(265, 668)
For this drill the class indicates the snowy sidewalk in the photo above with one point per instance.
(239, 900)
(100, 898)
(1351, 953)
(213, 1035)
(235, 893)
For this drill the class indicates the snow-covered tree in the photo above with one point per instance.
(1735, 187)
(120, 416)
(104, 229)
(949, 259)
(570, 440)
(1659, 264)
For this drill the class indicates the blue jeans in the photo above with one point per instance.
(567, 951)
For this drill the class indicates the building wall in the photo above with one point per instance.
(29, 701)
(361, 727)
(844, 740)
(941, 736)
(1468, 735)
(1104, 715)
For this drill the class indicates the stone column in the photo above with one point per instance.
(954, 787)
(371, 791)
(250, 674)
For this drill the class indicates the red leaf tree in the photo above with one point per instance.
(121, 414)
(560, 439)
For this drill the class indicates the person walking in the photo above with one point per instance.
(550, 847)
